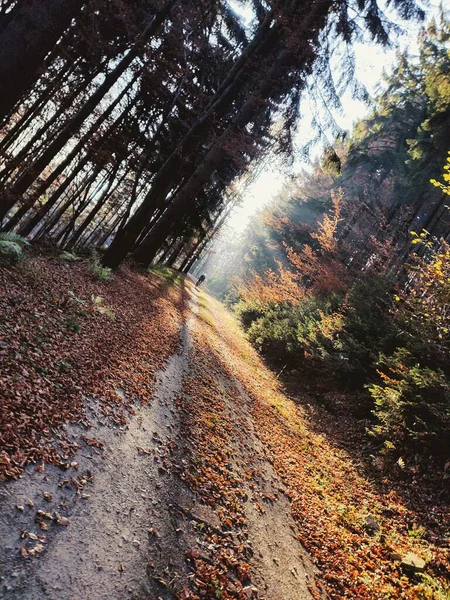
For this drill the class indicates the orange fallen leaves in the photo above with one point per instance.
(331, 497)
(55, 349)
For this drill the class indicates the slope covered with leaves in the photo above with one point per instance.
(259, 464)
(65, 335)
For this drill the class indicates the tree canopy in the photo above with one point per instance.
(130, 122)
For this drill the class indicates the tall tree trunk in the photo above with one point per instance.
(61, 236)
(58, 214)
(149, 149)
(100, 240)
(97, 207)
(20, 157)
(175, 252)
(29, 176)
(204, 239)
(170, 173)
(32, 31)
(27, 227)
(180, 204)
(45, 208)
(191, 253)
(83, 141)
(23, 121)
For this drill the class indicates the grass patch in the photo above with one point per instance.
(166, 273)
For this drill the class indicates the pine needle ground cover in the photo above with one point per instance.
(65, 335)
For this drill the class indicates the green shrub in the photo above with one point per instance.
(273, 331)
(12, 248)
(342, 334)
(412, 404)
(365, 335)
(248, 312)
(100, 272)
(367, 329)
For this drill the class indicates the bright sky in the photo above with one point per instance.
(370, 62)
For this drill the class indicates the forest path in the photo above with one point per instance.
(187, 476)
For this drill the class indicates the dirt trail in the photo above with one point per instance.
(281, 568)
(131, 517)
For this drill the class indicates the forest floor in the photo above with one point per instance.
(147, 452)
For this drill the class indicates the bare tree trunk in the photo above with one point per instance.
(32, 31)
(180, 204)
(29, 176)
(24, 151)
(83, 141)
(176, 252)
(62, 235)
(97, 207)
(24, 121)
(45, 209)
(57, 215)
(170, 173)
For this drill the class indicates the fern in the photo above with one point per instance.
(13, 237)
(66, 256)
(103, 273)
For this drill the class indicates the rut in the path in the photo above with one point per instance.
(280, 567)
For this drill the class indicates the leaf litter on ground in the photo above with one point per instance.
(56, 348)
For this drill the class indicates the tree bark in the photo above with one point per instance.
(21, 156)
(180, 205)
(44, 210)
(29, 176)
(97, 207)
(56, 216)
(33, 29)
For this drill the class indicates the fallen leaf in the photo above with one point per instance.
(61, 520)
(44, 515)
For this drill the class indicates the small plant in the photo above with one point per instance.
(218, 591)
(166, 273)
(11, 248)
(73, 325)
(66, 256)
(75, 299)
(416, 531)
(430, 588)
(64, 366)
(103, 273)
(102, 308)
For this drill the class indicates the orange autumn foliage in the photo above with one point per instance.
(317, 268)
(272, 287)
